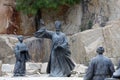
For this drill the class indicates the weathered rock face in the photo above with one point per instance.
(33, 68)
(114, 9)
(39, 49)
(109, 9)
(79, 70)
(112, 40)
(92, 39)
(70, 17)
(27, 26)
(108, 37)
(78, 52)
(6, 48)
(73, 20)
(95, 11)
(12, 22)
(5, 15)
(99, 12)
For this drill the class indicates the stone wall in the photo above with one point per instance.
(78, 51)
(107, 36)
(5, 15)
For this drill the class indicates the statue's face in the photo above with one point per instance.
(58, 26)
(20, 38)
(57, 32)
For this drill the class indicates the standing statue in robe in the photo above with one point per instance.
(100, 67)
(21, 54)
(60, 63)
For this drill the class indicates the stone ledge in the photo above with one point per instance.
(40, 78)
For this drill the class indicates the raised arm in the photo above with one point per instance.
(43, 33)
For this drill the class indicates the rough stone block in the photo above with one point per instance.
(44, 67)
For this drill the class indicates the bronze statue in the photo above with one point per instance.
(60, 63)
(21, 54)
(100, 67)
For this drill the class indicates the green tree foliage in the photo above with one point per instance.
(32, 6)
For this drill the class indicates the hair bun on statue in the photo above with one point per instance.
(58, 25)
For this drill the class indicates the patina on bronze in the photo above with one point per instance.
(60, 63)
(21, 54)
(100, 67)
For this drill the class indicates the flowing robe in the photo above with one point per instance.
(21, 54)
(60, 63)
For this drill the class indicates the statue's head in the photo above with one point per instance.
(100, 50)
(20, 38)
(58, 25)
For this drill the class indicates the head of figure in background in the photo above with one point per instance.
(20, 38)
(58, 26)
(100, 50)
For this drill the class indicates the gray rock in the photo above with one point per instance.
(79, 70)
(6, 49)
(39, 49)
(44, 68)
(33, 68)
(7, 69)
(77, 48)
(92, 39)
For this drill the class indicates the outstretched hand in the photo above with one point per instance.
(40, 31)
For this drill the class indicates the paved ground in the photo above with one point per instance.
(40, 78)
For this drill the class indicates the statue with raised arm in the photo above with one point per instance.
(21, 54)
(60, 63)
